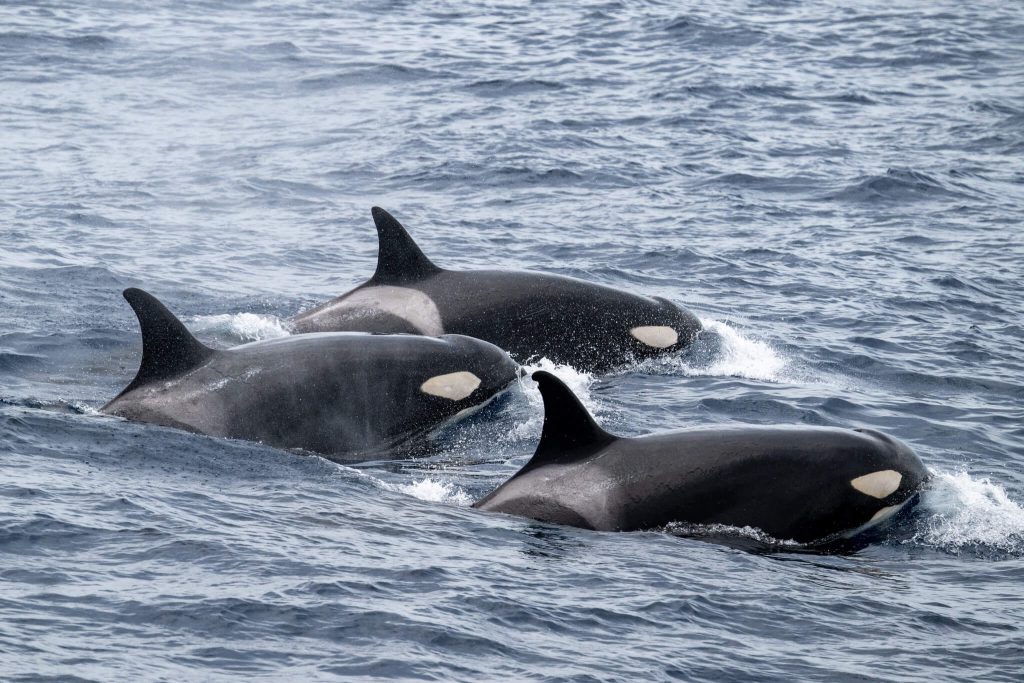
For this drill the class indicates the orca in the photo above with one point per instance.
(348, 396)
(531, 315)
(804, 484)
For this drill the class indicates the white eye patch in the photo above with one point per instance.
(655, 336)
(453, 386)
(878, 484)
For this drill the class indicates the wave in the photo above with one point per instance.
(898, 184)
(435, 491)
(500, 87)
(12, 361)
(740, 356)
(369, 75)
(731, 535)
(240, 327)
(451, 173)
(798, 185)
(430, 488)
(722, 350)
(691, 30)
(964, 515)
(31, 42)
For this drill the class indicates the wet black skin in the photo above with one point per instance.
(347, 396)
(530, 315)
(793, 483)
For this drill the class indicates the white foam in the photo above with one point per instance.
(711, 530)
(428, 489)
(245, 327)
(740, 356)
(579, 382)
(84, 409)
(436, 491)
(963, 512)
(721, 350)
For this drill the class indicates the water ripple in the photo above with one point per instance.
(835, 191)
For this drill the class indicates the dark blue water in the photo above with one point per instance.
(836, 191)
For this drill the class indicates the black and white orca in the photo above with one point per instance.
(531, 315)
(809, 485)
(345, 395)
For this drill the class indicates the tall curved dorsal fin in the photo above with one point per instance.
(569, 430)
(399, 259)
(168, 348)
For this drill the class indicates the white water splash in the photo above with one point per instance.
(739, 356)
(428, 489)
(436, 491)
(579, 382)
(721, 350)
(85, 409)
(243, 327)
(719, 530)
(965, 512)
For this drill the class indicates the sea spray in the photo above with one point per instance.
(725, 351)
(435, 491)
(239, 327)
(580, 383)
(964, 513)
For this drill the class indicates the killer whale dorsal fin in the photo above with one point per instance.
(168, 348)
(399, 258)
(569, 429)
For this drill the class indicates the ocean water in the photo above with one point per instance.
(836, 190)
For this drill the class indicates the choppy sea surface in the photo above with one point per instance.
(836, 190)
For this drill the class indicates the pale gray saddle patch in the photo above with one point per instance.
(411, 305)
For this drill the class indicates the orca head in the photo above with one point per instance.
(483, 371)
(889, 485)
(902, 460)
(662, 328)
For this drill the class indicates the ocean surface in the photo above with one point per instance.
(836, 191)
